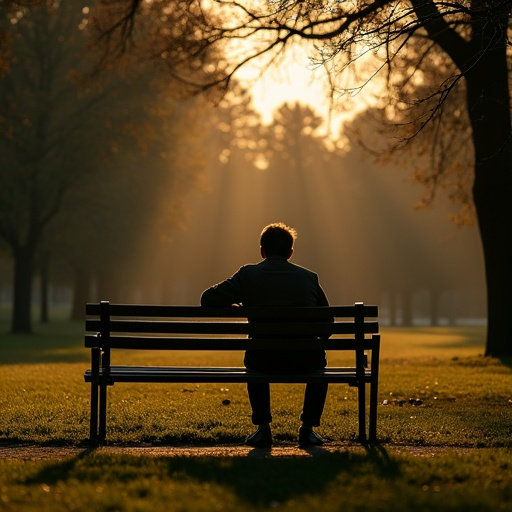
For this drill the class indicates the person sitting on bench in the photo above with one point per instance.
(275, 281)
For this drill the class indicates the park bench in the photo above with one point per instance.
(109, 327)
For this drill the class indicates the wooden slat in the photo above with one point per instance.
(253, 329)
(155, 343)
(149, 310)
(214, 369)
(234, 374)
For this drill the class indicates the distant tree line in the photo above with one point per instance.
(446, 70)
(356, 222)
(100, 154)
(92, 150)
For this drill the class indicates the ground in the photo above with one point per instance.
(30, 452)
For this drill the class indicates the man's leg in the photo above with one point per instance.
(314, 401)
(259, 398)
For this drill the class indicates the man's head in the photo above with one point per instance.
(277, 240)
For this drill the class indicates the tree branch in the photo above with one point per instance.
(441, 33)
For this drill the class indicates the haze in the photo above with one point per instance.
(357, 228)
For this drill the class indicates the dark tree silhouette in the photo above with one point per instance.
(65, 124)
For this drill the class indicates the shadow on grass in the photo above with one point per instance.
(506, 361)
(57, 342)
(255, 478)
(265, 480)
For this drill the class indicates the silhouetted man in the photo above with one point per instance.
(275, 281)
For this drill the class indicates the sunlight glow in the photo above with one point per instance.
(296, 80)
(288, 84)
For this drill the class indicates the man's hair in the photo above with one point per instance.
(277, 239)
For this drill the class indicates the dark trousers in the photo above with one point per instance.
(314, 401)
(286, 362)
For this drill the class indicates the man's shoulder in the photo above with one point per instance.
(249, 267)
(290, 267)
(276, 263)
(300, 268)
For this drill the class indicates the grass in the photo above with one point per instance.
(463, 427)
(345, 480)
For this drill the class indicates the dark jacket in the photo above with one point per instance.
(273, 282)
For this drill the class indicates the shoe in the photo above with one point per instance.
(262, 438)
(309, 437)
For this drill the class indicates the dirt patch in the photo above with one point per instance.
(38, 452)
(28, 452)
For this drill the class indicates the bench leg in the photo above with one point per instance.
(373, 412)
(102, 413)
(95, 372)
(361, 393)
(362, 411)
(374, 390)
(93, 426)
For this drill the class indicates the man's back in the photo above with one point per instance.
(272, 282)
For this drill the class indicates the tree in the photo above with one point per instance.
(65, 121)
(472, 35)
(41, 134)
(435, 153)
(138, 203)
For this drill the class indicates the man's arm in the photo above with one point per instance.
(322, 298)
(223, 294)
(323, 301)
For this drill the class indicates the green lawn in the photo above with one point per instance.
(464, 423)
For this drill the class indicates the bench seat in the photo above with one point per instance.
(223, 374)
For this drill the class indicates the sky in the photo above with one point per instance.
(296, 83)
(295, 79)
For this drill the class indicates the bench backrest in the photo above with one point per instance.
(157, 327)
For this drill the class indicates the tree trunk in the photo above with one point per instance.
(434, 306)
(489, 111)
(109, 287)
(407, 312)
(393, 308)
(81, 289)
(492, 192)
(45, 266)
(21, 313)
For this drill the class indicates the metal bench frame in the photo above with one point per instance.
(154, 327)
